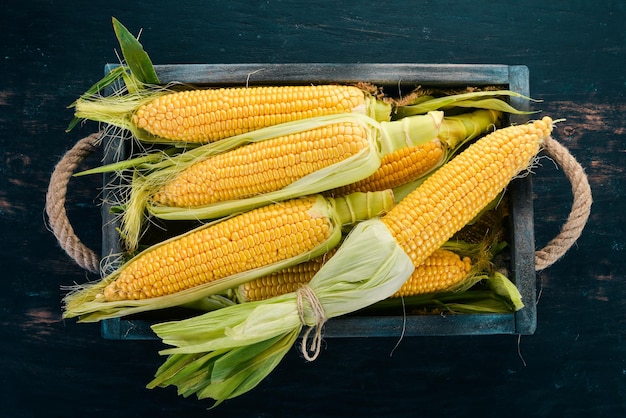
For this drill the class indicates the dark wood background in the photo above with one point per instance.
(575, 363)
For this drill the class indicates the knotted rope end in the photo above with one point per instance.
(311, 344)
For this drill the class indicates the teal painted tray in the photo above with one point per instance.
(391, 76)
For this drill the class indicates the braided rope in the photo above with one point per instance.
(581, 207)
(55, 203)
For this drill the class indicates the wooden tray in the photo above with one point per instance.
(393, 77)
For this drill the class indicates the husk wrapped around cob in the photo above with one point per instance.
(222, 254)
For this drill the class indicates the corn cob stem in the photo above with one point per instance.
(218, 256)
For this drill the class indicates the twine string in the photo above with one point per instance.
(310, 350)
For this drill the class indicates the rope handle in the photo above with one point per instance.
(55, 203)
(581, 206)
(87, 259)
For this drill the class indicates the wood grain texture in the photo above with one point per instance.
(575, 363)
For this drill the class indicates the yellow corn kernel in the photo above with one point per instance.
(257, 238)
(397, 168)
(211, 114)
(283, 281)
(440, 271)
(451, 197)
(262, 167)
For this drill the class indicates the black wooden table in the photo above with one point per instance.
(574, 364)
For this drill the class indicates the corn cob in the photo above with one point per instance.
(440, 271)
(263, 167)
(400, 167)
(199, 184)
(456, 193)
(237, 244)
(216, 256)
(410, 164)
(209, 115)
(275, 163)
(282, 281)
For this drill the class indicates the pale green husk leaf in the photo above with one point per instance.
(135, 56)
(479, 100)
(225, 353)
(224, 374)
(502, 286)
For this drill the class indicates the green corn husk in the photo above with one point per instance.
(225, 353)
(503, 287)
(136, 58)
(227, 373)
(137, 73)
(477, 100)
